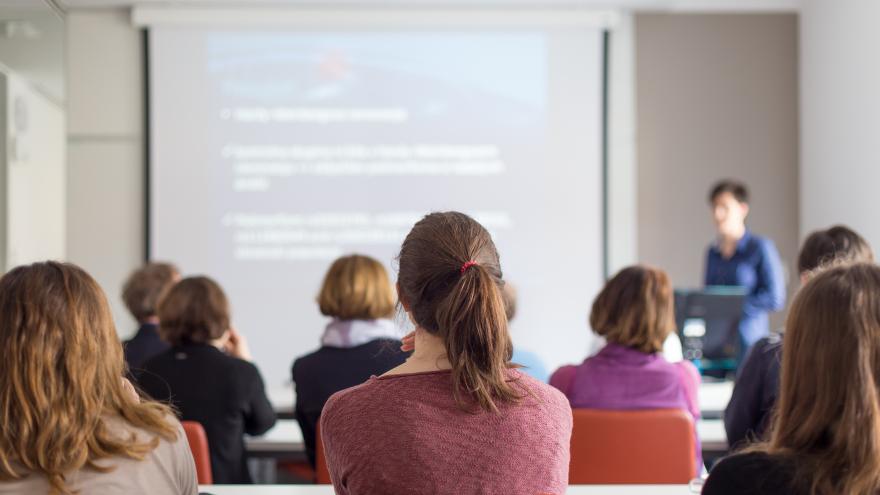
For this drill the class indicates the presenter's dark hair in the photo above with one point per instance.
(461, 303)
(838, 243)
(736, 188)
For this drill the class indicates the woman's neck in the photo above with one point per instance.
(429, 355)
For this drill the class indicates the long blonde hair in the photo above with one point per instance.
(827, 421)
(61, 378)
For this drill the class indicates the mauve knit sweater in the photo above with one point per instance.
(401, 434)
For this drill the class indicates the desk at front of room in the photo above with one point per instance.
(328, 490)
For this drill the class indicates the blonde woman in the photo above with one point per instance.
(70, 422)
(359, 341)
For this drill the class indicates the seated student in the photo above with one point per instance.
(141, 294)
(634, 314)
(71, 422)
(825, 435)
(360, 341)
(757, 385)
(530, 361)
(207, 375)
(456, 417)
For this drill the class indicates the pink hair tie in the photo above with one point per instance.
(467, 265)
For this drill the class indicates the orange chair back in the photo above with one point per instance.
(632, 447)
(322, 474)
(198, 444)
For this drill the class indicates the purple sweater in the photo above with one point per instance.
(621, 378)
(405, 434)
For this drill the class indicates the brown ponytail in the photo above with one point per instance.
(462, 304)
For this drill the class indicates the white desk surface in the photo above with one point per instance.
(328, 489)
(287, 437)
(281, 398)
(713, 396)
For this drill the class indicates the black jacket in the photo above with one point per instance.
(144, 345)
(223, 393)
(754, 395)
(753, 474)
(330, 369)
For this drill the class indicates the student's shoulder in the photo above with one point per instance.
(360, 397)
(557, 401)
(767, 350)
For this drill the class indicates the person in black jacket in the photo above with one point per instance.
(359, 342)
(824, 437)
(141, 294)
(208, 375)
(757, 385)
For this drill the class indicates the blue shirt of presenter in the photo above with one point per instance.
(740, 258)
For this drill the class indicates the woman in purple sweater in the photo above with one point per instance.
(634, 312)
(456, 417)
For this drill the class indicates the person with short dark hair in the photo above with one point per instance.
(634, 313)
(743, 259)
(208, 376)
(360, 341)
(824, 437)
(757, 385)
(141, 294)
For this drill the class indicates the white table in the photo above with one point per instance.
(282, 399)
(286, 438)
(328, 490)
(712, 436)
(714, 397)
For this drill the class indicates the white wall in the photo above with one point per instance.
(840, 115)
(717, 98)
(34, 168)
(106, 150)
(622, 242)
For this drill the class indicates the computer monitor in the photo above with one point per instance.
(707, 321)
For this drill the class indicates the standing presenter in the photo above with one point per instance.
(740, 258)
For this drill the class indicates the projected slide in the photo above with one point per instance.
(274, 152)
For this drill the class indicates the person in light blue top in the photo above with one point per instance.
(531, 362)
(741, 258)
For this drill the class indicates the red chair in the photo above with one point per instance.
(198, 445)
(632, 447)
(322, 473)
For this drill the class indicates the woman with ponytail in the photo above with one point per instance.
(456, 417)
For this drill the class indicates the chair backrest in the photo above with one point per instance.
(632, 447)
(198, 444)
(322, 474)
